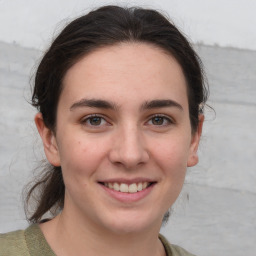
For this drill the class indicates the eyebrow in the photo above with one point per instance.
(98, 103)
(160, 104)
(93, 103)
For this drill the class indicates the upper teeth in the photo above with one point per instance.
(123, 187)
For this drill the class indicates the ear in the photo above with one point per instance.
(49, 141)
(193, 156)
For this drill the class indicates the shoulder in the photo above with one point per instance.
(25, 243)
(180, 251)
(173, 250)
(13, 243)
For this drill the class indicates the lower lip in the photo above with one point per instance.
(128, 197)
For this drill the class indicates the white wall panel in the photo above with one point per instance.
(223, 22)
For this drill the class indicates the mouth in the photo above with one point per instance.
(127, 188)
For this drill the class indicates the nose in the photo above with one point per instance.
(128, 148)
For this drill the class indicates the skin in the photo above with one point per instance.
(142, 132)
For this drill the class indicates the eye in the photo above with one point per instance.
(160, 120)
(94, 120)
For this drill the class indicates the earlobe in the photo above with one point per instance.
(193, 156)
(48, 139)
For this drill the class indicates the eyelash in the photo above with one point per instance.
(164, 118)
(90, 117)
(101, 118)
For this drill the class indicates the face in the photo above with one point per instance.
(123, 137)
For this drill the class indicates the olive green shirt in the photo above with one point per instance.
(31, 242)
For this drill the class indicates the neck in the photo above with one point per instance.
(67, 236)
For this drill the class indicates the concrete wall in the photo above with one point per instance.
(219, 217)
(223, 22)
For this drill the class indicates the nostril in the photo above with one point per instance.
(128, 151)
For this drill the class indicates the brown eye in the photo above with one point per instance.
(158, 120)
(95, 120)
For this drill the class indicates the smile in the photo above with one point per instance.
(127, 188)
(128, 191)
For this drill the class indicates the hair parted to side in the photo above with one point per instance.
(106, 26)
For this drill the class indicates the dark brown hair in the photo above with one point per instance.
(106, 26)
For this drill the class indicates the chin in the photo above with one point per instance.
(129, 223)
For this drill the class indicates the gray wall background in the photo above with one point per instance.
(220, 216)
(224, 22)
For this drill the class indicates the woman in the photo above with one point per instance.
(120, 96)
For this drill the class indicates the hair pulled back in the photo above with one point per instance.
(106, 26)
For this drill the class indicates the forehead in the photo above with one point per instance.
(127, 70)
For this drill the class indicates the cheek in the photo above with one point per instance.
(80, 157)
(173, 151)
(172, 156)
